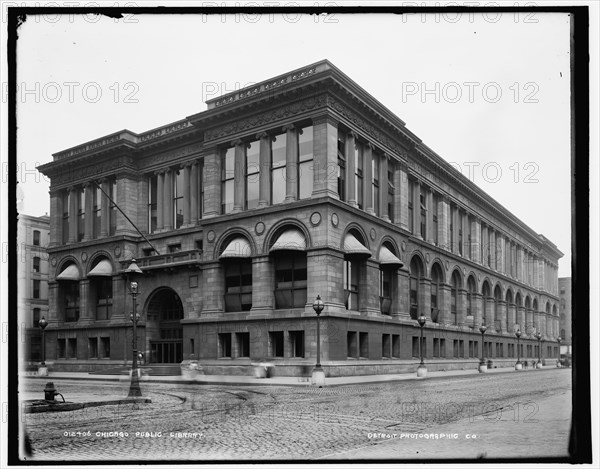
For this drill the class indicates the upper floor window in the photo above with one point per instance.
(80, 213)
(178, 199)
(36, 237)
(434, 218)
(411, 197)
(305, 162)
(416, 273)
(227, 180)
(152, 203)
(66, 206)
(97, 215)
(460, 233)
(290, 280)
(351, 270)
(341, 170)
(238, 284)
(36, 317)
(112, 209)
(358, 161)
(391, 192)
(423, 208)
(252, 174)
(375, 182)
(454, 298)
(36, 265)
(278, 168)
(436, 280)
(36, 289)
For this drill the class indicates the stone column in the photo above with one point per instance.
(368, 156)
(211, 180)
(477, 309)
(262, 285)
(491, 313)
(424, 296)
(88, 233)
(86, 309)
(168, 200)
(160, 206)
(73, 214)
(384, 187)
(443, 217)
(325, 267)
(368, 293)
(187, 202)
(351, 169)
(56, 214)
(444, 299)
(239, 192)
(520, 319)
(461, 307)
(213, 297)
(291, 163)
(195, 192)
(475, 240)
(402, 196)
(264, 158)
(53, 306)
(501, 315)
(512, 317)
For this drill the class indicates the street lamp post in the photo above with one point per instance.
(482, 364)
(134, 387)
(558, 363)
(518, 365)
(318, 374)
(422, 369)
(43, 370)
(538, 336)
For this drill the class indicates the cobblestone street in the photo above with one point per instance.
(494, 415)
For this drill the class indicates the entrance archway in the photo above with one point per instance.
(164, 313)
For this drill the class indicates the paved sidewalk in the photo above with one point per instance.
(276, 380)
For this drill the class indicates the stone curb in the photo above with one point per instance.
(64, 407)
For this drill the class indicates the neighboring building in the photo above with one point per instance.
(299, 186)
(32, 272)
(565, 321)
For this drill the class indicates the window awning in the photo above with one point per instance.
(102, 269)
(70, 273)
(388, 258)
(237, 248)
(354, 247)
(290, 240)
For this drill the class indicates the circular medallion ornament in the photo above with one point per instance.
(259, 229)
(334, 219)
(373, 234)
(315, 219)
(427, 258)
(117, 251)
(53, 261)
(403, 246)
(84, 256)
(210, 236)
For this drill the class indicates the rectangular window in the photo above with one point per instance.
(297, 344)
(278, 168)
(290, 281)
(61, 348)
(71, 301)
(460, 234)
(442, 348)
(276, 343)
(35, 348)
(415, 347)
(227, 180)
(178, 199)
(385, 346)
(65, 216)
(461, 348)
(423, 208)
(104, 347)
(411, 197)
(385, 290)
(375, 182)
(341, 169)
(352, 344)
(36, 317)
(80, 213)
(436, 347)
(243, 344)
(93, 347)
(363, 338)
(71, 348)
(152, 203)
(36, 288)
(200, 189)
(435, 201)
(238, 285)
(396, 345)
(225, 345)
(36, 238)
(358, 162)
(391, 192)
(36, 265)
(305, 162)
(112, 208)
(252, 174)
(103, 297)
(174, 248)
(455, 348)
(475, 349)
(351, 284)
(97, 215)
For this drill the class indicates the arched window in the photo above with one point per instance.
(289, 254)
(497, 299)
(354, 264)
(416, 273)
(165, 333)
(237, 268)
(68, 293)
(509, 304)
(528, 315)
(388, 266)
(454, 297)
(436, 280)
(101, 290)
(471, 290)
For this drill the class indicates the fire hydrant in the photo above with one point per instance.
(50, 391)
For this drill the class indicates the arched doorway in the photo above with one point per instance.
(165, 332)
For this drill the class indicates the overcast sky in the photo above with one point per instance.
(489, 94)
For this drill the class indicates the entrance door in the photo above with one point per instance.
(165, 313)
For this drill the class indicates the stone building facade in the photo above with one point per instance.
(565, 318)
(299, 186)
(32, 284)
